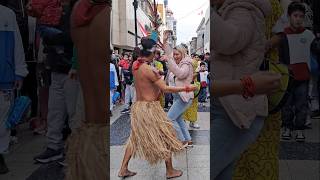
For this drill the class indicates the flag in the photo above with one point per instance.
(143, 31)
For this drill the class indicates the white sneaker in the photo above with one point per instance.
(286, 135)
(300, 136)
(13, 140)
(308, 122)
(194, 125)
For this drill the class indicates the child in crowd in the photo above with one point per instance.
(203, 79)
(294, 50)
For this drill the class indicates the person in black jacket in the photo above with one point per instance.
(63, 90)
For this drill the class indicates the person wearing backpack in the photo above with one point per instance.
(13, 69)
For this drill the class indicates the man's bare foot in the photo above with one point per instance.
(174, 174)
(126, 173)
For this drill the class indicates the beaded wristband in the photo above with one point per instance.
(249, 88)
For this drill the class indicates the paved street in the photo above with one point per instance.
(299, 161)
(194, 162)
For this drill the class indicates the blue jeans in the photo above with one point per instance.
(296, 107)
(202, 95)
(175, 114)
(228, 142)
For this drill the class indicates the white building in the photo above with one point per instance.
(171, 24)
(192, 46)
(207, 31)
(123, 24)
(200, 37)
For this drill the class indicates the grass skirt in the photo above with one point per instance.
(87, 153)
(153, 136)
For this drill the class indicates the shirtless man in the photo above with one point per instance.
(158, 141)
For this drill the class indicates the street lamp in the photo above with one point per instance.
(135, 5)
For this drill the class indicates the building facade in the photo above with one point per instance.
(200, 37)
(123, 24)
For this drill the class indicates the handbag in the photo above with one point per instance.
(300, 71)
(18, 110)
(115, 97)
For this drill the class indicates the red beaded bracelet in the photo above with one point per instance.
(188, 89)
(249, 88)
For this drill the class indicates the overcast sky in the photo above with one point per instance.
(186, 12)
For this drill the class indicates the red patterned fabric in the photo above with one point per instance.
(138, 63)
(48, 12)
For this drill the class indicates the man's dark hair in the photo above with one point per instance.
(202, 64)
(296, 6)
(147, 44)
(208, 53)
(201, 57)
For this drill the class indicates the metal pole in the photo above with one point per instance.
(135, 5)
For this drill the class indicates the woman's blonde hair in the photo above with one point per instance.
(182, 50)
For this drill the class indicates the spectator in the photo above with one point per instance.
(207, 60)
(63, 92)
(203, 79)
(113, 84)
(128, 82)
(13, 69)
(296, 106)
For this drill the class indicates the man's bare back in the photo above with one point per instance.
(144, 81)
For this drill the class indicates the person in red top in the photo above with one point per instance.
(48, 14)
(125, 63)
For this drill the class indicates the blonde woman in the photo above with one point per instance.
(191, 114)
(180, 74)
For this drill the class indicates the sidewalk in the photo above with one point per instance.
(301, 161)
(298, 161)
(194, 162)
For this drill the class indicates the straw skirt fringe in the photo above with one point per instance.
(153, 136)
(87, 153)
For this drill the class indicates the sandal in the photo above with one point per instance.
(127, 174)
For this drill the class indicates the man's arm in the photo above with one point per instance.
(156, 79)
(233, 34)
(21, 70)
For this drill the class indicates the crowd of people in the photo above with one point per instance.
(39, 62)
(249, 36)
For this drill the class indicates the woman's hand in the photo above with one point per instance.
(266, 82)
(164, 58)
